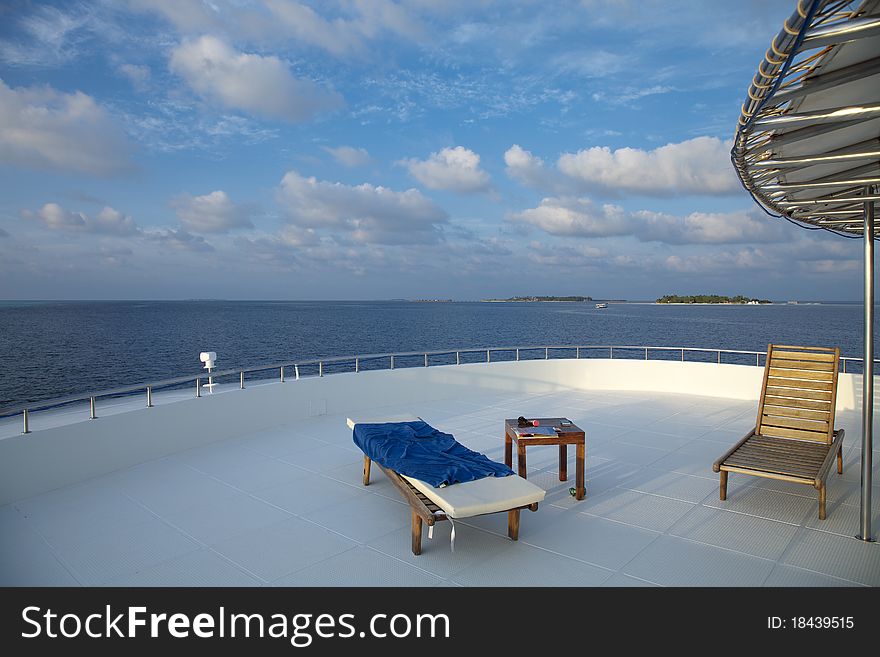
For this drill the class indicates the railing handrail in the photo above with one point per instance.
(295, 366)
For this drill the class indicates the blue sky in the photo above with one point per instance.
(360, 149)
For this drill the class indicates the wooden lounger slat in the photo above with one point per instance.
(781, 410)
(797, 434)
(794, 423)
(793, 393)
(804, 355)
(800, 375)
(794, 437)
(780, 382)
(770, 451)
(793, 446)
(800, 365)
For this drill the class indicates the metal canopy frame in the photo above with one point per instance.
(807, 147)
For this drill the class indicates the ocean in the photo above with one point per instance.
(55, 349)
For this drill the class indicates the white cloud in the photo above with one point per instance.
(249, 82)
(108, 221)
(708, 228)
(696, 166)
(349, 156)
(210, 213)
(581, 217)
(363, 213)
(41, 128)
(527, 168)
(455, 169)
(576, 217)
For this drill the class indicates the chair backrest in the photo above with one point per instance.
(799, 393)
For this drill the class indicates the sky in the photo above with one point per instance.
(375, 149)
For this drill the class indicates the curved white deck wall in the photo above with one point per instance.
(50, 458)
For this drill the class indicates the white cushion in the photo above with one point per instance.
(486, 495)
(471, 498)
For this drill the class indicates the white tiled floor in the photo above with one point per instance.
(286, 507)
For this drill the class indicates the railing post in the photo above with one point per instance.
(458, 358)
(682, 355)
(844, 365)
(25, 420)
(611, 353)
(488, 357)
(719, 357)
(282, 374)
(426, 360)
(577, 352)
(149, 396)
(392, 361)
(758, 362)
(646, 353)
(546, 353)
(320, 368)
(517, 353)
(296, 372)
(357, 364)
(92, 414)
(241, 381)
(198, 387)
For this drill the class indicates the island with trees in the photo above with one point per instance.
(711, 298)
(569, 298)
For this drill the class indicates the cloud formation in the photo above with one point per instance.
(41, 128)
(349, 156)
(211, 213)
(248, 82)
(362, 213)
(527, 168)
(454, 169)
(581, 217)
(108, 221)
(696, 166)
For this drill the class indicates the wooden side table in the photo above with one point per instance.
(567, 435)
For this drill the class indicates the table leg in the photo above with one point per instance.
(563, 462)
(579, 474)
(508, 449)
(521, 459)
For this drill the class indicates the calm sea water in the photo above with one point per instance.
(52, 349)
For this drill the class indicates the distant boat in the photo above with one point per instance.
(601, 305)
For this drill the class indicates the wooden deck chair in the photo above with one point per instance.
(430, 505)
(794, 438)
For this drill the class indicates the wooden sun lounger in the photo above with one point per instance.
(794, 438)
(425, 511)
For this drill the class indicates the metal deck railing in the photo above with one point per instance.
(327, 366)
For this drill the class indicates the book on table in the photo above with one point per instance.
(526, 432)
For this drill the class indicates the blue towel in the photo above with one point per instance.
(416, 449)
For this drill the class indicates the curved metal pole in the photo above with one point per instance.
(868, 376)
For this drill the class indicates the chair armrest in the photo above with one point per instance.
(716, 467)
(829, 457)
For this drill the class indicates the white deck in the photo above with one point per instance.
(286, 507)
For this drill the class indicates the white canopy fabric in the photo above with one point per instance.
(807, 145)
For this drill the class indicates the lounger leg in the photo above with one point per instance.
(840, 460)
(416, 534)
(508, 450)
(579, 471)
(521, 459)
(822, 502)
(723, 488)
(367, 463)
(513, 524)
(563, 462)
